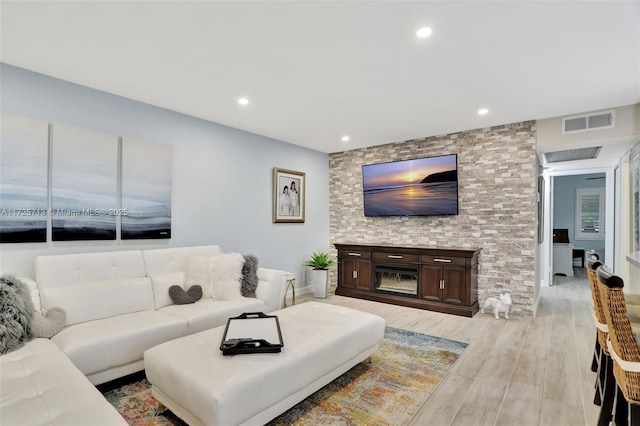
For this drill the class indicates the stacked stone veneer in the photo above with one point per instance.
(497, 205)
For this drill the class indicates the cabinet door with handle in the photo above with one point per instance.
(355, 274)
(347, 275)
(430, 283)
(362, 270)
(453, 289)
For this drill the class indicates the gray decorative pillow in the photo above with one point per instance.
(249, 278)
(50, 324)
(181, 297)
(16, 311)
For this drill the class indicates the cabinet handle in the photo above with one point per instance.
(355, 274)
(394, 256)
(442, 260)
(355, 254)
(441, 284)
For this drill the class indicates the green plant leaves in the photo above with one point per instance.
(319, 260)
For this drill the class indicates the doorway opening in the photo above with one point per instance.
(577, 224)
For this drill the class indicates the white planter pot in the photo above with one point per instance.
(319, 280)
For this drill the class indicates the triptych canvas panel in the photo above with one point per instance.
(23, 179)
(146, 189)
(97, 184)
(84, 184)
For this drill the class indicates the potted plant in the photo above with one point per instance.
(318, 276)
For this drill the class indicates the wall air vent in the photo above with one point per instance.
(588, 122)
(572, 154)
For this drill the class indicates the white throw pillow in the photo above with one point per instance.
(224, 275)
(198, 274)
(35, 293)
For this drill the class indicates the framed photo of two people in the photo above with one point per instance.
(288, 196)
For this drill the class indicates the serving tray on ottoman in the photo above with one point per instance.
(192, 377)
(250, 333)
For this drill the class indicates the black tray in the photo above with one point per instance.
(250, 333)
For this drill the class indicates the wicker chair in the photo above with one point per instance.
(590, 259)
(632, 300)
(623, 348)
(600, 353)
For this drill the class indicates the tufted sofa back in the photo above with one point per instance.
(169, 260)
(91, 286)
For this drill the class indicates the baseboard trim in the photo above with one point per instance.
(300, 291)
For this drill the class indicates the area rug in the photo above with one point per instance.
(387, 390)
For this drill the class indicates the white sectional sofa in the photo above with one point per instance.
(40, 386)
(117, 306)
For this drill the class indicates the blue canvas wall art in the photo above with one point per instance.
(84, 181)
(146, 190)
(23, 179)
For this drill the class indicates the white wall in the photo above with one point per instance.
(222, 177)
(627, 123)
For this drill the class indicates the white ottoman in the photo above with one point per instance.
(192, 378)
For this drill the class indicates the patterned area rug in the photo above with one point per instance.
(389, 390)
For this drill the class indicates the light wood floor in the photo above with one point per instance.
(521, 371)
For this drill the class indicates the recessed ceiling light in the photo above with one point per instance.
(345, 139)
(424, 32)
(483, 111)
(243, 101)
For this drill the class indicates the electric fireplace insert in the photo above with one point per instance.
(400, 280)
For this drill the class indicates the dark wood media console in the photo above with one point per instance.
(442, 280)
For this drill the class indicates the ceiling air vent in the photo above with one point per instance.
(572, 154)
(585, 123)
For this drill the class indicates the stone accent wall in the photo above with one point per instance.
(497, 205)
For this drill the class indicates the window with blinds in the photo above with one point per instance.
(589, 214)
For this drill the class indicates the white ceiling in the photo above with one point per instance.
(317, 70)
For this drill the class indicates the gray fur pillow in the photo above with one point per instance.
(16, 311)
(50, 324)
(249, 278)
(181, 297)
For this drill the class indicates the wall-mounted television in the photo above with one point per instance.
(419, 187)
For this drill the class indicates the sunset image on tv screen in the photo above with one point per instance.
(420, 187)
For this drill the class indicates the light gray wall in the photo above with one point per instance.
(222, 177)
(564, 205)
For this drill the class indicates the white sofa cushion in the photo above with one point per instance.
(100, 299)
(174, 259)
(209, 313)
(102, 344)
(40, 386)
(161, 284)
(70, 269)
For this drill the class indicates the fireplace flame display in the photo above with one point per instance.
(397, 279)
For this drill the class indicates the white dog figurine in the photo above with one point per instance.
(498, 305)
